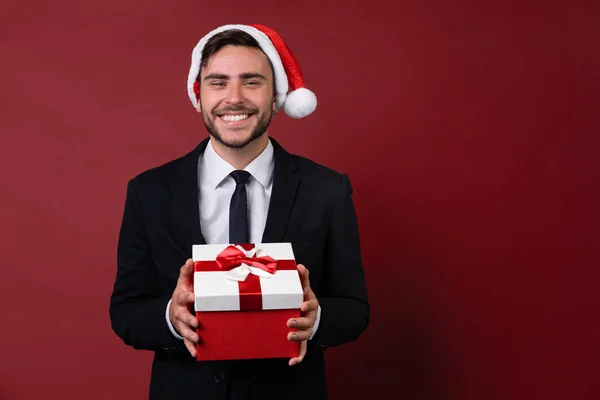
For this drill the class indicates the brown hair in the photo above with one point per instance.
(232, 37)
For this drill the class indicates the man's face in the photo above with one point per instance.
(236, 95)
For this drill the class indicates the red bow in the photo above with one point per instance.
(233, 257)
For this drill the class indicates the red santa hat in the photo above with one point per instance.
(297, 103)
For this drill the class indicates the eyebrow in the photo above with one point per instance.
(245, 75)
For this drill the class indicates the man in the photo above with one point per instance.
(239, 185)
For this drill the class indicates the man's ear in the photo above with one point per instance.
(274, 105)
(197, 91)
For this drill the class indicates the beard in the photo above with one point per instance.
(264, 120)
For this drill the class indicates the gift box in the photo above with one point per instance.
(244, 296)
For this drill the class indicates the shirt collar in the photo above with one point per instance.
(215, 169)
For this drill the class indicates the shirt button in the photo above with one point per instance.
(219, 377)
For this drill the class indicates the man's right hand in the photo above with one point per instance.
(183, 321)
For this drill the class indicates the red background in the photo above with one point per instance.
(466, 127)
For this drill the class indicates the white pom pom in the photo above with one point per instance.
(300, 103)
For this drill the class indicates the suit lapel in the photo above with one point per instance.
(183, 217)
(285, 185)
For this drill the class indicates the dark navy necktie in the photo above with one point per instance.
(238, 209)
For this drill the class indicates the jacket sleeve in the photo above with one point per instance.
(345, 310)
(137, 306)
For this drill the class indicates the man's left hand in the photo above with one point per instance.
(306, 322)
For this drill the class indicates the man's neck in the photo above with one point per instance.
(240, 158)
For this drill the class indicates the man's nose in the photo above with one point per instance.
(235, 94)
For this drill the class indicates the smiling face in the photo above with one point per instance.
(236, 95)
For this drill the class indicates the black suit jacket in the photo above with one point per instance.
(310, 206)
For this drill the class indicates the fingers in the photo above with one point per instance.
(310, 306)
(187, 328)
(185, 324)
(179, 309)
(298, 360)
(190, 346)
(188, 319)
(183, 298)
(301, 323)
(183, 321)
(300, 335)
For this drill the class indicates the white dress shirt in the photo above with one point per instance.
(216, 187)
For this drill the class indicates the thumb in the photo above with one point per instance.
(304, 277)
(185, 273)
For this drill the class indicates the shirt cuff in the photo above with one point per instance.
(314, 331)
(178, 336)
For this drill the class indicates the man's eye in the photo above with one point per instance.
(252, 83)
(217, 83)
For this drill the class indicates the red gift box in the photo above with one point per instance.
(245, 295)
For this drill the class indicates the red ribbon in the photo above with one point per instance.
(250, 290)
(233, 257)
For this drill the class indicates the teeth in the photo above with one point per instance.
(233, 118)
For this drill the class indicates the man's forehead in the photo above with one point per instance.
(237, 60)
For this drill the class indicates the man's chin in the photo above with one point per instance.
(238, 142)
(234, 144)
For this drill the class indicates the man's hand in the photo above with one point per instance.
(179, 310)
(305, 323)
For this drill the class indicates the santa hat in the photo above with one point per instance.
(298, 103)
